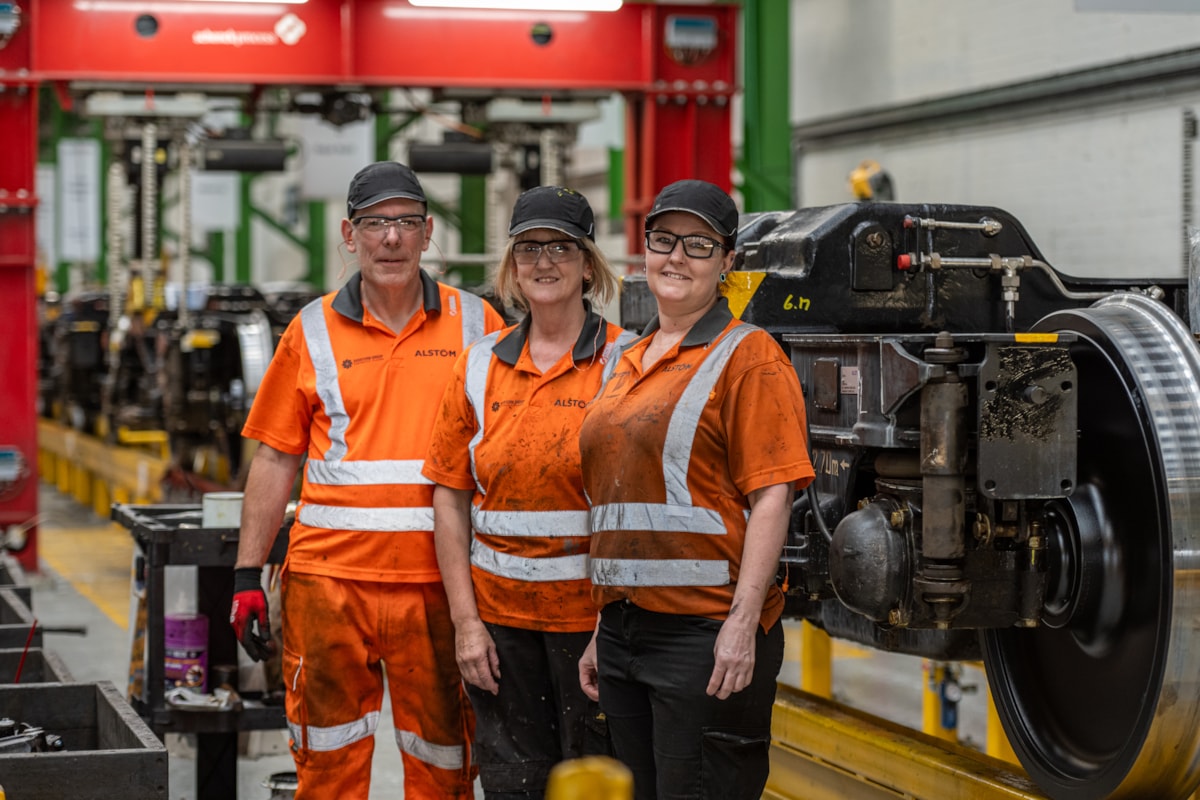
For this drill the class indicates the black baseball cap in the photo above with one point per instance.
(706, 200)
(553, 207)
(383, 180)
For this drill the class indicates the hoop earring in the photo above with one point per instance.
(722, 276)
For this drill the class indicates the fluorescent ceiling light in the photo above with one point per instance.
(245, 7)
(524, 5)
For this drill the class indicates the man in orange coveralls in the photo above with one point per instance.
(355, 384)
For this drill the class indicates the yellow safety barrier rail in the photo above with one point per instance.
(826, 751)
(96, 473)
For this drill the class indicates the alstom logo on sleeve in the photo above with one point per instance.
(571, 402)
(436, 353)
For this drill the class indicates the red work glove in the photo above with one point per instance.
(248, 615)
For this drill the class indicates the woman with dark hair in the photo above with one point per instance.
(691, 453)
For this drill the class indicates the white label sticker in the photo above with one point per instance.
(849, 380)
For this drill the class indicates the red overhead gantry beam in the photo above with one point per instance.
(675, 65)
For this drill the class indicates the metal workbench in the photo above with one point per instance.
(170, 535)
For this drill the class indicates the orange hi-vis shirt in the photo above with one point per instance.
(670, 454)
(511, 433)
(360, 400)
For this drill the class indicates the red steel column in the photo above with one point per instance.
(18, 313)
(681, 127)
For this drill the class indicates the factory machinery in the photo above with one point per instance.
(156, 375)
(1008, 468)
(144, 361)
(1006, 456)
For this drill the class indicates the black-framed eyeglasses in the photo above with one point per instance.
(558, 251)
(406, 224)
(695, 245)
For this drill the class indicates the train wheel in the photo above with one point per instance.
(1103, 699)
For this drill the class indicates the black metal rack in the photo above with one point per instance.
(170, 535)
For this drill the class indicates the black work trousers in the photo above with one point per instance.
(678, 741)
(540, 717)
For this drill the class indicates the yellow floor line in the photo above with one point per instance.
(95, 561)
(844, 649)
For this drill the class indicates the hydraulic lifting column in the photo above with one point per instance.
(18, 315)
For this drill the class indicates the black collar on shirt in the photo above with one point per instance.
(706, 328)
(348, 301)
(590, 339)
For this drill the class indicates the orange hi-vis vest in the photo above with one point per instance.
(511, 432)
(362, 399)
(671, 453)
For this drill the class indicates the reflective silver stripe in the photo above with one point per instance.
(442, 756)
(518, 568)
(479, 364)
(336, 736)
(678, 514)
(685, 419)
(613, 357)
(333, 470)
(659, 572)
(472, 317)
(347, 518)
(515, 523)
(365, 473)
(530, 523)
(320, 350)
(655, 517)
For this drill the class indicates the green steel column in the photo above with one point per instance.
(48, 104)
(472, 213)
(616, 183)
(243, 241)
(766, 162)
(314, 247)
(216, 255)
(472, 225)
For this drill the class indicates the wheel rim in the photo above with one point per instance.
(1104, 700)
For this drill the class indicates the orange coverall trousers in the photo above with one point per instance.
(337, 636)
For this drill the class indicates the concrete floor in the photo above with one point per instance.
(84, 582)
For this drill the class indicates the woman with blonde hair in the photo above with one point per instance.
(510, 516)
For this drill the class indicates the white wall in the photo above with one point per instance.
(1099, 186)
(1099, 192)
(850, 55)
